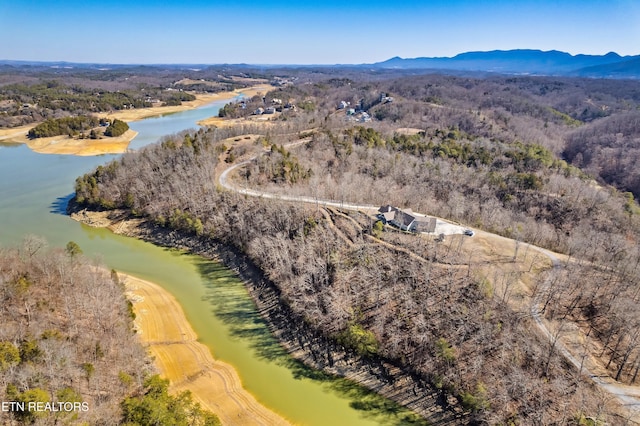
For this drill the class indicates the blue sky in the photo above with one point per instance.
(307, 32)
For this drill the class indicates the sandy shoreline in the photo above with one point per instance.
(187, 363)
(84, 147)
(201, 99)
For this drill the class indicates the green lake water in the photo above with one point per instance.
(34, 190)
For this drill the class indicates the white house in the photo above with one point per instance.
(365, 118)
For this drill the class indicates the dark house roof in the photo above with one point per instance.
(403, 219)
(386, 209)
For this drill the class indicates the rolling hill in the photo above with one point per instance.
(525, 61)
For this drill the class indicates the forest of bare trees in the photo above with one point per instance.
(609, 149)
(68, 350)
(502, 170)
(67, 323)
(527, 158)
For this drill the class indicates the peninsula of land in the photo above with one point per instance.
(115, 145)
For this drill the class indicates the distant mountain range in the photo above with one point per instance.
(520, 62)
(524, 61)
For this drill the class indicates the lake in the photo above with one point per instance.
(34, 190)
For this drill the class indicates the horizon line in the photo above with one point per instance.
(36, 61)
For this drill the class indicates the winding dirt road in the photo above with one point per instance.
(627, 396)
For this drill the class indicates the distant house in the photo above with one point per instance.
(384, 98)
(406, 220)
(343, 105)
(365, 118)
(259, 111)
(270, 110)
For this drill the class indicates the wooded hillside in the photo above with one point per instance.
(486, 153)
(68, 324)
(67, 343)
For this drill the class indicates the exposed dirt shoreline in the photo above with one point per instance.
(187, 363)
(115, 145)
(302, 342)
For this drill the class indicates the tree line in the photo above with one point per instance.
(82, 125)
(70, 126)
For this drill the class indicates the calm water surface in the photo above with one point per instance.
(34, 190)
